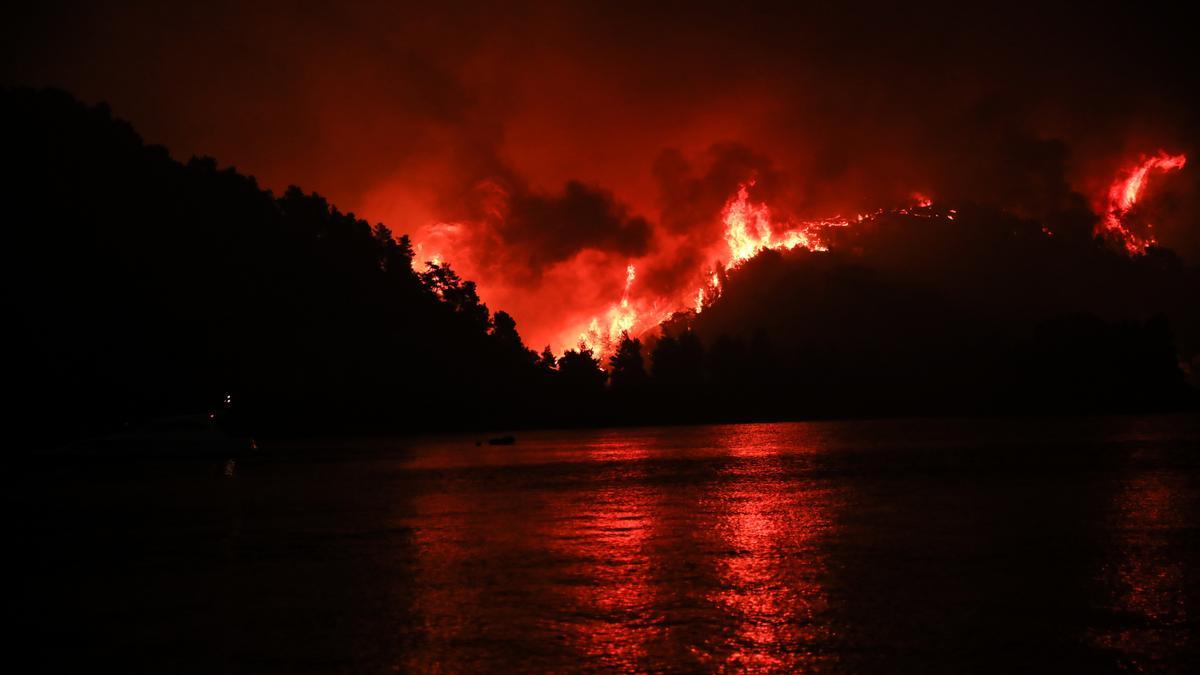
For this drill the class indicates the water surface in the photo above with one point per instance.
(942, 545)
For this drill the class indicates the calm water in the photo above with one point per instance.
(847, 546)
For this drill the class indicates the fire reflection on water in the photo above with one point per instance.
(785, 548)
(1145, 579)
(603, 537)
(770, 577)
(620, 562)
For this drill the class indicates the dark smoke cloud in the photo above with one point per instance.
(507, 228)
(691, 196)
(993, 157)
(692, 192)
(549, 229)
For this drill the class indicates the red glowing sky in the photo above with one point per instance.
(463, 125)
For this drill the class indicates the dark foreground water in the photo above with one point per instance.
(995, 545)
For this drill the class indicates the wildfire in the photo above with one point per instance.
(749, 229)
(424, 254)
(707, 293)
(751, 226)
(1124, 194)
(622, 318)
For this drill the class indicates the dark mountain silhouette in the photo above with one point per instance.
(136, 286)
(985, 312)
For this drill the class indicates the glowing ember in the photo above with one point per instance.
(1124, 194)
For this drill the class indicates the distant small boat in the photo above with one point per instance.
(502, 440)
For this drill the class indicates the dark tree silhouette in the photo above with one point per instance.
(580, 373)
(627, 372)
(678, 369)
(678, 362)
(512, 349)
(138, 286)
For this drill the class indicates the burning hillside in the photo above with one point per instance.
(543, 150)
(1123, 197)
(749, 227)
(319, 318)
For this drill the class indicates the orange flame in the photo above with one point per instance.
(1124, 194)
(707, 293)
(622, 318)
(749, 230)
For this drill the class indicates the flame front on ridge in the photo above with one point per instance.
(1124, 194)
